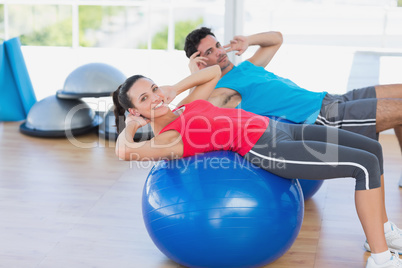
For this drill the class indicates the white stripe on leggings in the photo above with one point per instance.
(344, 125)
(317, 163)
(346, 122)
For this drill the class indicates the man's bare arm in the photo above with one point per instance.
(269, 43)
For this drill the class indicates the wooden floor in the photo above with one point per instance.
(67, 204)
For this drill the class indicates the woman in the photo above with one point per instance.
(304, 151)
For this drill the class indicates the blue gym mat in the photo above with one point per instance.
(16, 92)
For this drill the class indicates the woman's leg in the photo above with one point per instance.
(345, 138)
(370, 212)
(384, 215)
(312, 158)
(338, 137)
(299, 163)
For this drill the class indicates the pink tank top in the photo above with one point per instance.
(204, 127)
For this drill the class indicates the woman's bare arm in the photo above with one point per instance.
(201, 82)
(167, 145)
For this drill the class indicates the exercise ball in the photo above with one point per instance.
(91, 80)
(219, 210)
(55, 117)
(309, 187)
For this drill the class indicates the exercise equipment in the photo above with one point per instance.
(55, 117)
(16, 92)
(309, 187)
(91, 80)
(219, 210)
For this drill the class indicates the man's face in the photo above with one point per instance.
(210, 48)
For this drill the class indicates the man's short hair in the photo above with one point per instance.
(193, 39)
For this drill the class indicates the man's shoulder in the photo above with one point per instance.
(237, 73)
(246, 63)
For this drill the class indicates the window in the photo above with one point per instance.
(144, 24)
(112, 26)
(41, 25)
(335, 23)
(135, 36)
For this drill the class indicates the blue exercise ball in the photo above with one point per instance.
(309, 187)
(219, 210)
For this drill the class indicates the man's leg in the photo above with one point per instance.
(389, 114)
(395, 92)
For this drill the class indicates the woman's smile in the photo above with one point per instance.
(159, 105)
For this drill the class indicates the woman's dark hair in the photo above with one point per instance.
(193, 40)
(122, 102)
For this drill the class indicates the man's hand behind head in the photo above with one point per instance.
(197, 62)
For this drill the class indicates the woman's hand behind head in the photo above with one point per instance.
(136, 119)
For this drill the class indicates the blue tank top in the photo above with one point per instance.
(267, 94)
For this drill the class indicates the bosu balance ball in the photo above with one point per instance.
(55, 117)
(219, 210)
(91, 80)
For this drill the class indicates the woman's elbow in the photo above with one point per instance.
(127, 155)
(217, 71)
(121, 154)
(280, 37)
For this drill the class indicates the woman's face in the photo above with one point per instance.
(148, 99)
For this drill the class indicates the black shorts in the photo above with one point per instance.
(354, 111)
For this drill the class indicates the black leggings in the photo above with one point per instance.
(317, 153)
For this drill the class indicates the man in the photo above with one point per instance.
(367, 111)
